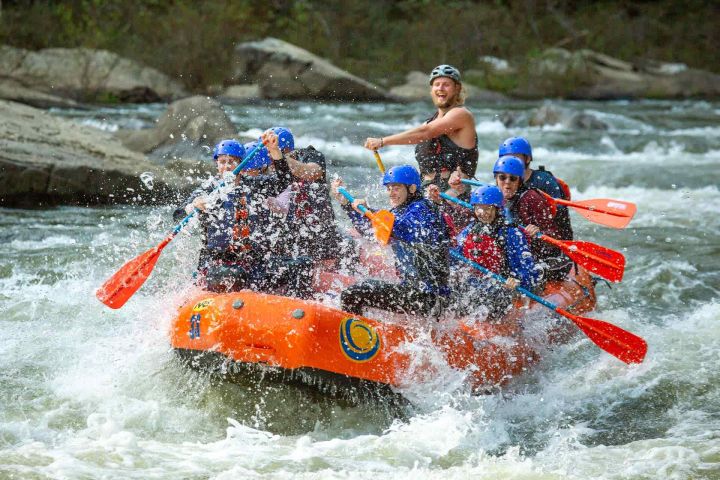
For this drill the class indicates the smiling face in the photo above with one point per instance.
(508, 184)
(444, 92)
(485, 213)
(226, 163)
(398, 193)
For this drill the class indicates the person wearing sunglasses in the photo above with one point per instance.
(526, 206)
(501, 248)
(445, 141)
(540, 179)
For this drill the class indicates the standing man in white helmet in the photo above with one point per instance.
(447, 141)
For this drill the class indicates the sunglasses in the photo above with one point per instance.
(510, 178)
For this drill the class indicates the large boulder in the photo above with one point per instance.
(186, 129)
(283, 70)
(417, 88)
(84, 75)
(47, 160)
(550, 114)
(591, 75)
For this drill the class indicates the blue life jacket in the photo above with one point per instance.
(420, 241)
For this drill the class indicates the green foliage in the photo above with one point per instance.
(379, 40)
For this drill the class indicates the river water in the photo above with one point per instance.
(87, 392)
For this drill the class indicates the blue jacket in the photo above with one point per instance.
(224, 217)
(518, 261)
(420, 241)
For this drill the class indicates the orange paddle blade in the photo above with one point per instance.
(624, 345)
(603, 211)
(600, 260)
(120, 287)
(382, 221)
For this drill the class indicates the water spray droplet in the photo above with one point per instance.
(147, 179)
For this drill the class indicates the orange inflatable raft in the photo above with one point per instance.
(297, 340)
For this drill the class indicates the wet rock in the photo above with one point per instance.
(585, 74)
(188, 129)
(82, 74)
(283, 70)
(552, 115)
(241, 93)
(47, 160)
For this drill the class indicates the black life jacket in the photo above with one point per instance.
(441, 153)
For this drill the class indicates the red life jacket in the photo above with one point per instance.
(485, 250)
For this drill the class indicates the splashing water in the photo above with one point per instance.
(93, 393)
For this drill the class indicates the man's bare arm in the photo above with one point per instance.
(451, 122)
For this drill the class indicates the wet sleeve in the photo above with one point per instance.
(179, 213)
(360, 222)
(535, 210)
(520, 260)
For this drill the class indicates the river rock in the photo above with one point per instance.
(46, 160)
(240, 93)
(586, 74)
(553, 115)
(188, 129)
(417, 88)
(83, 74)
(283, 70)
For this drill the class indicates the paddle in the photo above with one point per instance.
(382, 220)
(620, 343)
(603, 211)
(379, 162)
(120, 287)
(603, 261)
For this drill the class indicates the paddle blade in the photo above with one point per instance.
(600, 260)
(604, 211)
(620, 343)
(120, 287)
(382, 221)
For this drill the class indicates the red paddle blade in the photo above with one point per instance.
(620, 343)
(604, 211)
(600, 260)
(120, 287)
(382, 221)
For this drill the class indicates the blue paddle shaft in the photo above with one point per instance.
(235, 172)
(474, 183)
(467, 205)
(450, 198)
(502, 279)
(351, 199)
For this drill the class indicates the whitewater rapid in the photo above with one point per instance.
(89, 392)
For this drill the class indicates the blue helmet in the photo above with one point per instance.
(228, 147)
(285, 138)
(405, 174)
(261, 159)
(445, 71)
(487, 195)
(515, 145)
(509, 165)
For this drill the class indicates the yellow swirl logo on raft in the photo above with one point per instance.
(358, 339)
(202, 305)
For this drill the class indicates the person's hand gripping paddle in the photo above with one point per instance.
(382, 220)
(118, 289)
